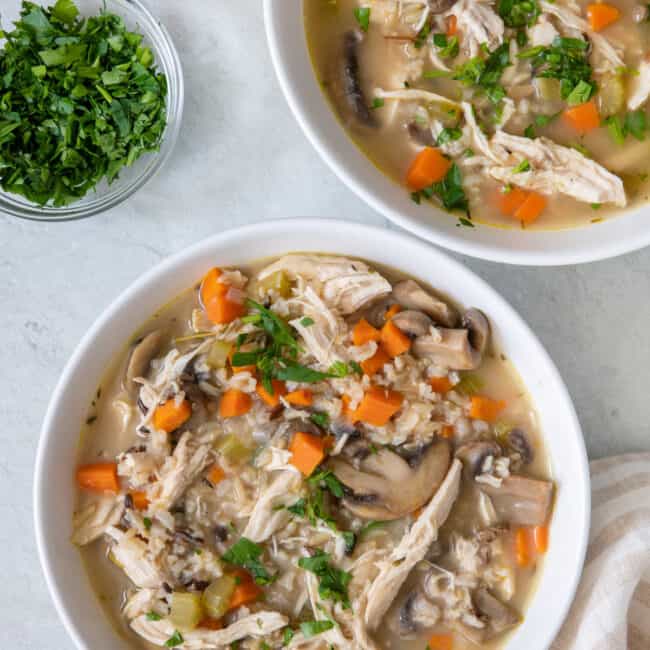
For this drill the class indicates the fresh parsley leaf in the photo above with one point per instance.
(518, 13)
(356, 367)
(370, 526)
(330, 481)
(486, 73)
(615, 129)
(246, 553)
(320, 419)
(422, 36)
(580, 94)
(448, 46)
(152, 616)
(636, 123)
(307, 322)
(147, 523)
(545, 120)
(287, 635)
(529, 131)
(350, 540)
(339, 369)
(362, 14)
(313, 628)
(377, 102)
(448, 134)
(174, 640)
(333, 582)
(523, 166)
(291, 371)
(450, 190)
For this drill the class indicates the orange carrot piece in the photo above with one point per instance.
(602, 15)
(211, 624)
(378, 406)
(391, 311)
(211, 287)
(584, 117)
(511, 201)
(170, 415)
(429, 167)
(484, 408)
(139, 500)
(234, 402)
(417, 512)
(221, 309)
(523, 547)
(441, 642)
(301, 397)
(364, 332)
(250, 368)
(307, 452)
(447, 431)
(375, 363)
(540, 537)
(441, 384)
(245, 592)
(531, 208)
(272, 399)
(393, 340)
(452, 26)
(98, 477)
(346, 411)
(216, 475)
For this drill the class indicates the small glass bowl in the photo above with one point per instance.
(104, 197)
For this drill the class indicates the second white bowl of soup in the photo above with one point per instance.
(364, 447)
(512, 134)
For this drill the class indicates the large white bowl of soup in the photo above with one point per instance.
(311, 433)
(512, 130)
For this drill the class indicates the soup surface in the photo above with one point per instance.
(513, 113)
(313, 453)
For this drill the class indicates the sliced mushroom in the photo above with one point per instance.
(518, 440)
(457, 349)
(411, 295)
(385, 486)
(352, 88)
(144, 350)
(520, 500)
(473, 455)
(420, 135)
(414, 323)
(417, 613)
(500, 617)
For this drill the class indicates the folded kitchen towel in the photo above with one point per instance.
(611, 610)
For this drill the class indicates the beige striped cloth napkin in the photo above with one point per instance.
(611, 610)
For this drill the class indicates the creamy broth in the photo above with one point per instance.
(111, 432)
(388, 60)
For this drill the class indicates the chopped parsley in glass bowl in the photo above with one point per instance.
(91, 99)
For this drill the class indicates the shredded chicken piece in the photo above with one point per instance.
(256, 625)
(94, 520)
(179, 472)
(267, 516)
(412, 548)
(478, 23)
(345, 285)
(414, 94)
(140, 602)
(132, 555)
(639, 87)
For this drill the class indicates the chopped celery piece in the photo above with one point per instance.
(186, 610)
(279, 282)
(501, 430)
(611, 95)
(469, 384)
(233, 449)
(548, 89)
(217, 596)
(218, 354)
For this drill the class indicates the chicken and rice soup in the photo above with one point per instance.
(313, 453)
(525, 113)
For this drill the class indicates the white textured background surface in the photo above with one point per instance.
(241, 158)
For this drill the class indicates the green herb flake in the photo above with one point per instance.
(287, 635)
(147, 523)
(174, 640)
(362, 14)
(377, 102)
(448, 134)
(636, 123)
(246, 553)
(615, 129)
(333, 582)
(62, 130)
(307, 322)
(518, 13)
(313, 628)
(152, 616)
(522, 167)
(320, 419)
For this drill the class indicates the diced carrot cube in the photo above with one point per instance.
(510, 201)
(301, 397)
(234, 403)
(363, 332)
(98, 477)
(392, 310)
(216, 475)
(393, 340)
(139, 500)
(441, 384)
(170, 415)
(378, 406)
(272, 399)
(531, 208)
(375, 363)
(584, 117)
(307, 452)
(429, 167)
(602, 15)
(441, 642)
(484, 408)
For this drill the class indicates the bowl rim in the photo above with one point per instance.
(534, 248)
(347, 231)
(163, 46)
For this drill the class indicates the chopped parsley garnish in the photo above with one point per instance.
(486, 73)
(174, 640)
(565, 59)
(307, 322)
(635, 123)
(422, 36)
(246, 554)
(464, 221)
(313, 628)
(320, 419)
(449, 191)
(448, 46)
(329, 480)
(147, 523)
(448, 134)
(152, 616)
(523, 166)
(518, 13)
(81, 100)
(362, 14)
(615, 128)
(370, 526)
(333, 582)
(287, 635)
(377, 102)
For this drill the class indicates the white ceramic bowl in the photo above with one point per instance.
(286, 36)
(54, 486)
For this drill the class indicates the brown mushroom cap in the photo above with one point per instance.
(410, 295)
(386, 486)
(411, 322)
(144, 350)
(473, 455)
